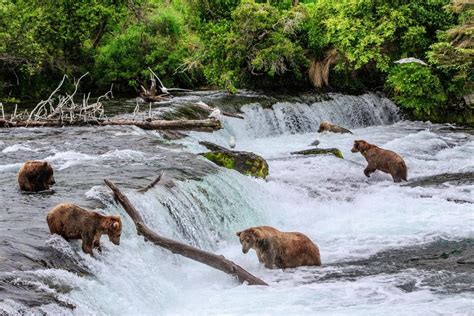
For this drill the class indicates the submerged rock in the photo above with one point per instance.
(440, 179)
(320, 151)
(242, 161)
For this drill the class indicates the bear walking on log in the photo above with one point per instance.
(280, 249)
(35, 176)
(381, 159)
(73, 222)
(328, 127)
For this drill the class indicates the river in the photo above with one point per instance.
(388, 248)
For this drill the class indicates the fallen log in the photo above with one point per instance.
(196, 125)
(207, 258)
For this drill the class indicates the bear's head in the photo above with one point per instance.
(113, 228)
(360, 146)
(47, 174)
(248, 239)
(324, 126)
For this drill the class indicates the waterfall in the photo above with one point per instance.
(304, 117)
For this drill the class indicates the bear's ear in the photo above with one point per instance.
(114, 225)
(238, 234)
(45, 163)
(255, 232)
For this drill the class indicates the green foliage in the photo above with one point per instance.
(213, 10)
(416, 89)
(347, 45)
(161, 41)
(255, 46)
(453, 55)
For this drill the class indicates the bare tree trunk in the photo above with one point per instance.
(207, 258)
(195, 125)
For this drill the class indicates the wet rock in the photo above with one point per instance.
(320, 151)
(242, 161)
(439, 179)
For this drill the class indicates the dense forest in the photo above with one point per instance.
(348, 46)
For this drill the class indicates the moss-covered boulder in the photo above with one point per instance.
(244, 162)
(320, 151)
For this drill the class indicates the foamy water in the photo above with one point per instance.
(348, 215)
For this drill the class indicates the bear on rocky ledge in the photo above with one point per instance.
(73, 222)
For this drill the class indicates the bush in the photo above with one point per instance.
(162, 42)
(416, 89)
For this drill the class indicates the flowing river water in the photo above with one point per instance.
(386, 248)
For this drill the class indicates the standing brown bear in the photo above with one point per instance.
(280, 249)
(72, 222)
(35, 176)
(381, 159)
(328, 127)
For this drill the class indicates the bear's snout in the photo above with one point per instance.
(353, 150)
(245, 250)
(52, 181)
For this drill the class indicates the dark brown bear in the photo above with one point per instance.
(280, 249)
(381, 159)
(72, 222)
(328, 127)
(35, 176)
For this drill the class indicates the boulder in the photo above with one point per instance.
(320, 151)
(244, 162)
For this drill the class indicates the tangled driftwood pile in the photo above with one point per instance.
(60, 110)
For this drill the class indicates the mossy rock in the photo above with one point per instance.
(320, 151)
(244, 162)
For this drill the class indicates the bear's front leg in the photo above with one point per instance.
(87, 244)
(369, 169)
(97, 243)
(268, 258)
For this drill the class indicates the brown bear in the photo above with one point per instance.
(72, 222)
(381, 159)
(35, 176)
(328, 127)
(280, 249)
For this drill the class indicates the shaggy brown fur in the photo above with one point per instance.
(381, 159)
(280, 249)
(35, 176)
(328, 127)
(72, 222)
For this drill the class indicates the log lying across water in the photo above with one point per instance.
(195, 125)
(176, 247)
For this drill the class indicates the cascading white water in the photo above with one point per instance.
(327, 198)
(292, 118)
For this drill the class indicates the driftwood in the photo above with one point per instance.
(151, 94)
(195, 125)
(207, 258)
(151, 185)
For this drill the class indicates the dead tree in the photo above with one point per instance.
(176, 247)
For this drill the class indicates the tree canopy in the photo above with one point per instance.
(345, 45)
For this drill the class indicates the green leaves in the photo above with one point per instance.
(416, 89)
